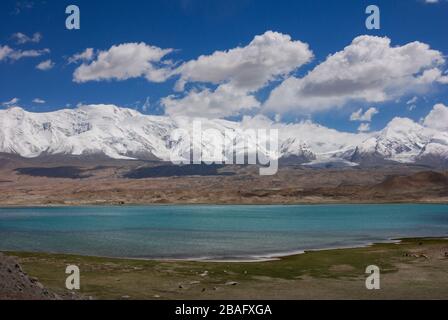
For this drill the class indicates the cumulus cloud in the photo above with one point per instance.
(45, 65)
(264, 59)
(363, 116)
(224, 101)
(7, 53)
(126, 61)
(22, 38)
(85, 56)
(437, 118)
(368, 70)
(237, 74)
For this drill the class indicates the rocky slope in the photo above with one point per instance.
(17, 285)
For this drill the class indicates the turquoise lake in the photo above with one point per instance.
(213, 232)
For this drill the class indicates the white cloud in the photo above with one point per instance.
(18, 54)
(412, 101)
(264, 59)
(224, 101)
(45, 65)
(11, 102)
(237, 74)
(85, 56)
(39, 101)
(366, 116)
(364, 127)
(368, 70)
(7, 53)
(126, 61)
(437, 118)
(432, 75)
(22, 38)
(434, 1)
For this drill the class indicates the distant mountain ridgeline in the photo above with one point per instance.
(125, 134)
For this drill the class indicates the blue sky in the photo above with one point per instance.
(194, 28)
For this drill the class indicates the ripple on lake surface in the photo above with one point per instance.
(214, 232)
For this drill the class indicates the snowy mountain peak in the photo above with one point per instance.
(402, 141)
(122, 133)
(294, 148)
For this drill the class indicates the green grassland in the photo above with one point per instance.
(413, 268)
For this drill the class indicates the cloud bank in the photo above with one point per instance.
(226, 83)
(238, 74)
(368, 70)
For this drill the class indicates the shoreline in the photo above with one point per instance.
(251, 259)
(189, 204)
(412, 268)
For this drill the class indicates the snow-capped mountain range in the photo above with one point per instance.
(122, 133)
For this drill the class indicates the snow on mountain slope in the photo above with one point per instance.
(122, 133)
(436, 151)
(116, 132)
(402, 141)
(308, 139)
(296, 149)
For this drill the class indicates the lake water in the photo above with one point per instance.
(213, 232)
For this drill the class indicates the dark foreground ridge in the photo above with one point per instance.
(17, 285)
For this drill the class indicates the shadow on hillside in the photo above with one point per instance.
(177, 171)
(54, 172)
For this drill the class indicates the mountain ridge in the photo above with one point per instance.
(122, 133)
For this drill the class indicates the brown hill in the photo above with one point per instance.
(419, 180)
